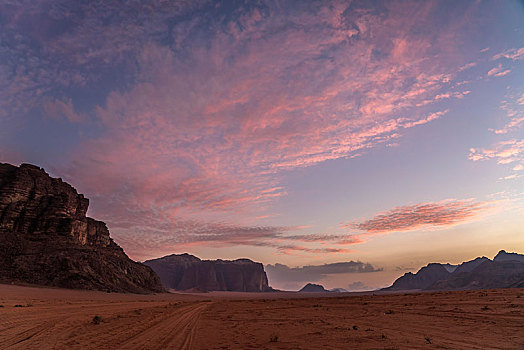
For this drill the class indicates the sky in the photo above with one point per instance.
(337, 142)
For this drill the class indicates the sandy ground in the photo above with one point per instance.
(43, 318)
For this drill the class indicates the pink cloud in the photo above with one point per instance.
(206, 125)
(421, 216)
(62, 109)
(512, 54)
(513, 106)
(504, 152)
(498, 71)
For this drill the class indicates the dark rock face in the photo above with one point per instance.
(469, 266)
(504, 256)
(313, 288)
(424, 278)
(488, 275)
(506, 270)
(187, 272)
(46, 238)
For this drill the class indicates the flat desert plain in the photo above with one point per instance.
(44, 318)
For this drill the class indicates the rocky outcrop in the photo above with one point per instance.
(488, 275)
(424, 278)
(506, 270)
(313, 288)
(469, 266)
(187, 272)
(46, 238)
(504, 256)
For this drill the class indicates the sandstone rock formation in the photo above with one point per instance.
(46, 238)
(187, 272)
(506, 270)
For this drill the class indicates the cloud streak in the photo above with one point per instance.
(509, 152)
(420, 216)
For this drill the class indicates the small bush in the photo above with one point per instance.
(19, 305)
(389, 312)
(97, 319)
(273, 338)
(485, 307)
(1, 305)
(355, 328)
(428, 340)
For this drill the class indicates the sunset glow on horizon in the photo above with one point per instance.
(340, 142)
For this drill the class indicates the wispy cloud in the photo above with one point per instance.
(498, 71)
(421, 216)
(62, 109)
(505, 152)
(512, 54)
(193, 115)
(513, 106)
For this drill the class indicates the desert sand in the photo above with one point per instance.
(45, 318)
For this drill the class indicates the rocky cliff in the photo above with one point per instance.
(46, 238)
(187, 272)
(506, 270)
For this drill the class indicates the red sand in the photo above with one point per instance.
(63, 319)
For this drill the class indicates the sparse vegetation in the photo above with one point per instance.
(97, 319)
(273, 338)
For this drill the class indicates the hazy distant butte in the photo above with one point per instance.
(187, 272)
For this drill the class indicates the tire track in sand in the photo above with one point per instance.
(177, 331)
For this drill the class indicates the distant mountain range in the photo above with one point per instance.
(506, 270)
